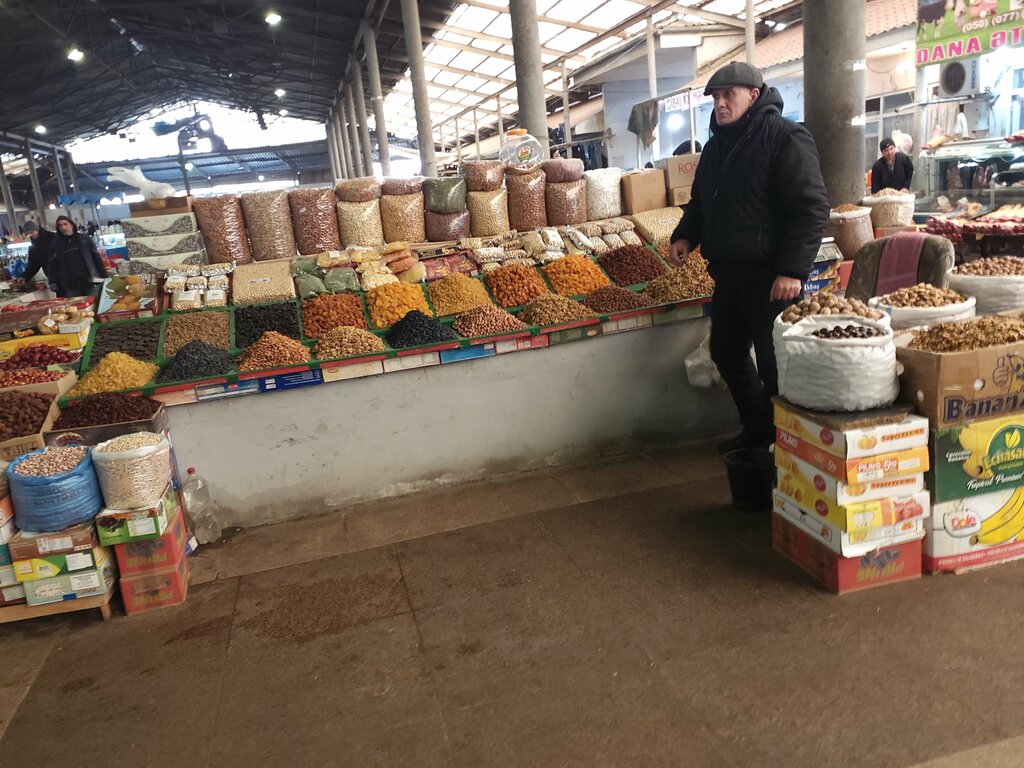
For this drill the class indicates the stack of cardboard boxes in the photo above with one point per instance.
(63, 565)
(161, 238)
(679, 173)
(851, 504)
(975, 400)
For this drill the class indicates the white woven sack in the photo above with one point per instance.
(918, 317)
(604, 193)
(839, 375)
(780, 328)
(994, 294)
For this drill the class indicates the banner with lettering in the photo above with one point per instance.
(959, 29)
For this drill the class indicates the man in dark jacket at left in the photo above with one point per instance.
(758, 212)
(69, 259)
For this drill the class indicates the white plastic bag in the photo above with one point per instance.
(917, 317)
(604, 193)
(133, 477)
(780, 328)
(994, 294)
(701, 370)
(839, 374)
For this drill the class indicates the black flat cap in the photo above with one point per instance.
(735, 73)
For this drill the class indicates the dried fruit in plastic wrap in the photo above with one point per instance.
(581, 241)
(268, 222)
(616, 226)
(402, 217)
(614, 241)
(600, 246)
(533, 244)
(341, 280)
(360, 190)
(402, 186)
(552, 240)
(305, 265)
(604, 193)
(359, 223)
(182, 300)
(444, 195)
(216, 297)
(566, 203)
(483, 175)
(309, 285)
(489, 255)
(488, 213)
(332, 259)
(223, 226)
(629, 237)
(446, 227)
(527, 208)
(314, 219)
(657, 225)
(590, 229)
(415, 274)
(548, 256)
(562, 171)
(471, 242)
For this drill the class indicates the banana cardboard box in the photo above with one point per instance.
(974, 532)
(848, 543)
(789, 467)
(870, 469)
(847, 436)
(978, 458)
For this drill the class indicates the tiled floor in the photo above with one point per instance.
(614, 614)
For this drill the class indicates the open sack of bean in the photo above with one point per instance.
(890, 208)
(53, 489)
(997, 283)
(922, 305)
(222, 223)
(839, 364)
(133, 469)
(268, 222)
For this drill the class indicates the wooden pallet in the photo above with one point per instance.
(21, 612)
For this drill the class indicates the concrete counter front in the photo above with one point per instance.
(307, 450)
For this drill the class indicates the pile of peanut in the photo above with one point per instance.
(272, 350)
(966, 335)
(50, 462)
(826, 303)
(488, 320)
(328, 311)
(212, 327)
(922, 295)
(575, 276)
(553, 310)
(996, 266)
(515, 284)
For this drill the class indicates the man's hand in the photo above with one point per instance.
(786, 288)
(678, 253)
(904, 190)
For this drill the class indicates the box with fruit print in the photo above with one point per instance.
(975, 532)
(848, 543)
(870, 469)
(886, 565)
(853, 435)
(977, 458)
(791, 467)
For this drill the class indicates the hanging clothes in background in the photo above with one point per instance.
(643, 119)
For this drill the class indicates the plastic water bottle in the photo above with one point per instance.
(200, 508)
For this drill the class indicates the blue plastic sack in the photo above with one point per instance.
(44, 504)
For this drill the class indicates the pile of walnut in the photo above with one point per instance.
(922, 295)
(826, 303)
(967, 335)
(996, 266)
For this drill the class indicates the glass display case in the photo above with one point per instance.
(114, 246)
(14, 259)
(982, 170)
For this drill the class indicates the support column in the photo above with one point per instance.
(71, 171)
(37, 191)
(529, 70)
(652, 79)
(339, 153)
(421, 99)
(5, 190)
(364, 128)
(377, 98)
(458, 141)
(332, 157)
(834, 67)
(501, 120)
(921, 127)
(353, 134)
(749, 30)
(341, 137)
(476, 133)
(566, 117)
(59, 171)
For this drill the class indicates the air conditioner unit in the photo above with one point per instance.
(960, 78)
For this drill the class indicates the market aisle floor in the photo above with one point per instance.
(614, 614)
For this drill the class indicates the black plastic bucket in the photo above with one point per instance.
(751, 473)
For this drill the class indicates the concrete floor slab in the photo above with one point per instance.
(614, 476)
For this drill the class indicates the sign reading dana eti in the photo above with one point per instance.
(958, 29)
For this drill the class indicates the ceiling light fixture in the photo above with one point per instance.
(260, 177)
(40, 129)
(189, 166)
(280, 92)
(273, 18)
(75, 55)
(282, 112)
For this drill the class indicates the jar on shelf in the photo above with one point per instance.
(521, 151)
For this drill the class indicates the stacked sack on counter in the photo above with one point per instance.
(565, 193)
(967, 377)
(850, 507)
(158, 242)
(358, 206)
(486, 199)
(401, 210)
(446, 215)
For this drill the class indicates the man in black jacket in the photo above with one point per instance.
(893, 170)
(758, 212)
(68, 258)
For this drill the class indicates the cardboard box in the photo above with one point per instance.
(680, 195)
(78, 538)
(12, 595)
(847, 543)
(789, 466)
(847, 436)
(643, 191)
(57, 388)
(98, 434)
(977, 458)
(7, 577)
(887, 565)
(123, 526)
(864, 470)
(18, 446)
(69, 341)
(165, 245)
(57, 565)
(975, 532)
(157, 589)
(6, 511)
(138, 557)
(161, 206)
(163, 263)
(7, 531)
(859, 516)
(679, 170)
(953, 387)
(71, 586)
(152, 226)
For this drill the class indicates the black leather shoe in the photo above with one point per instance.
(744, 440)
